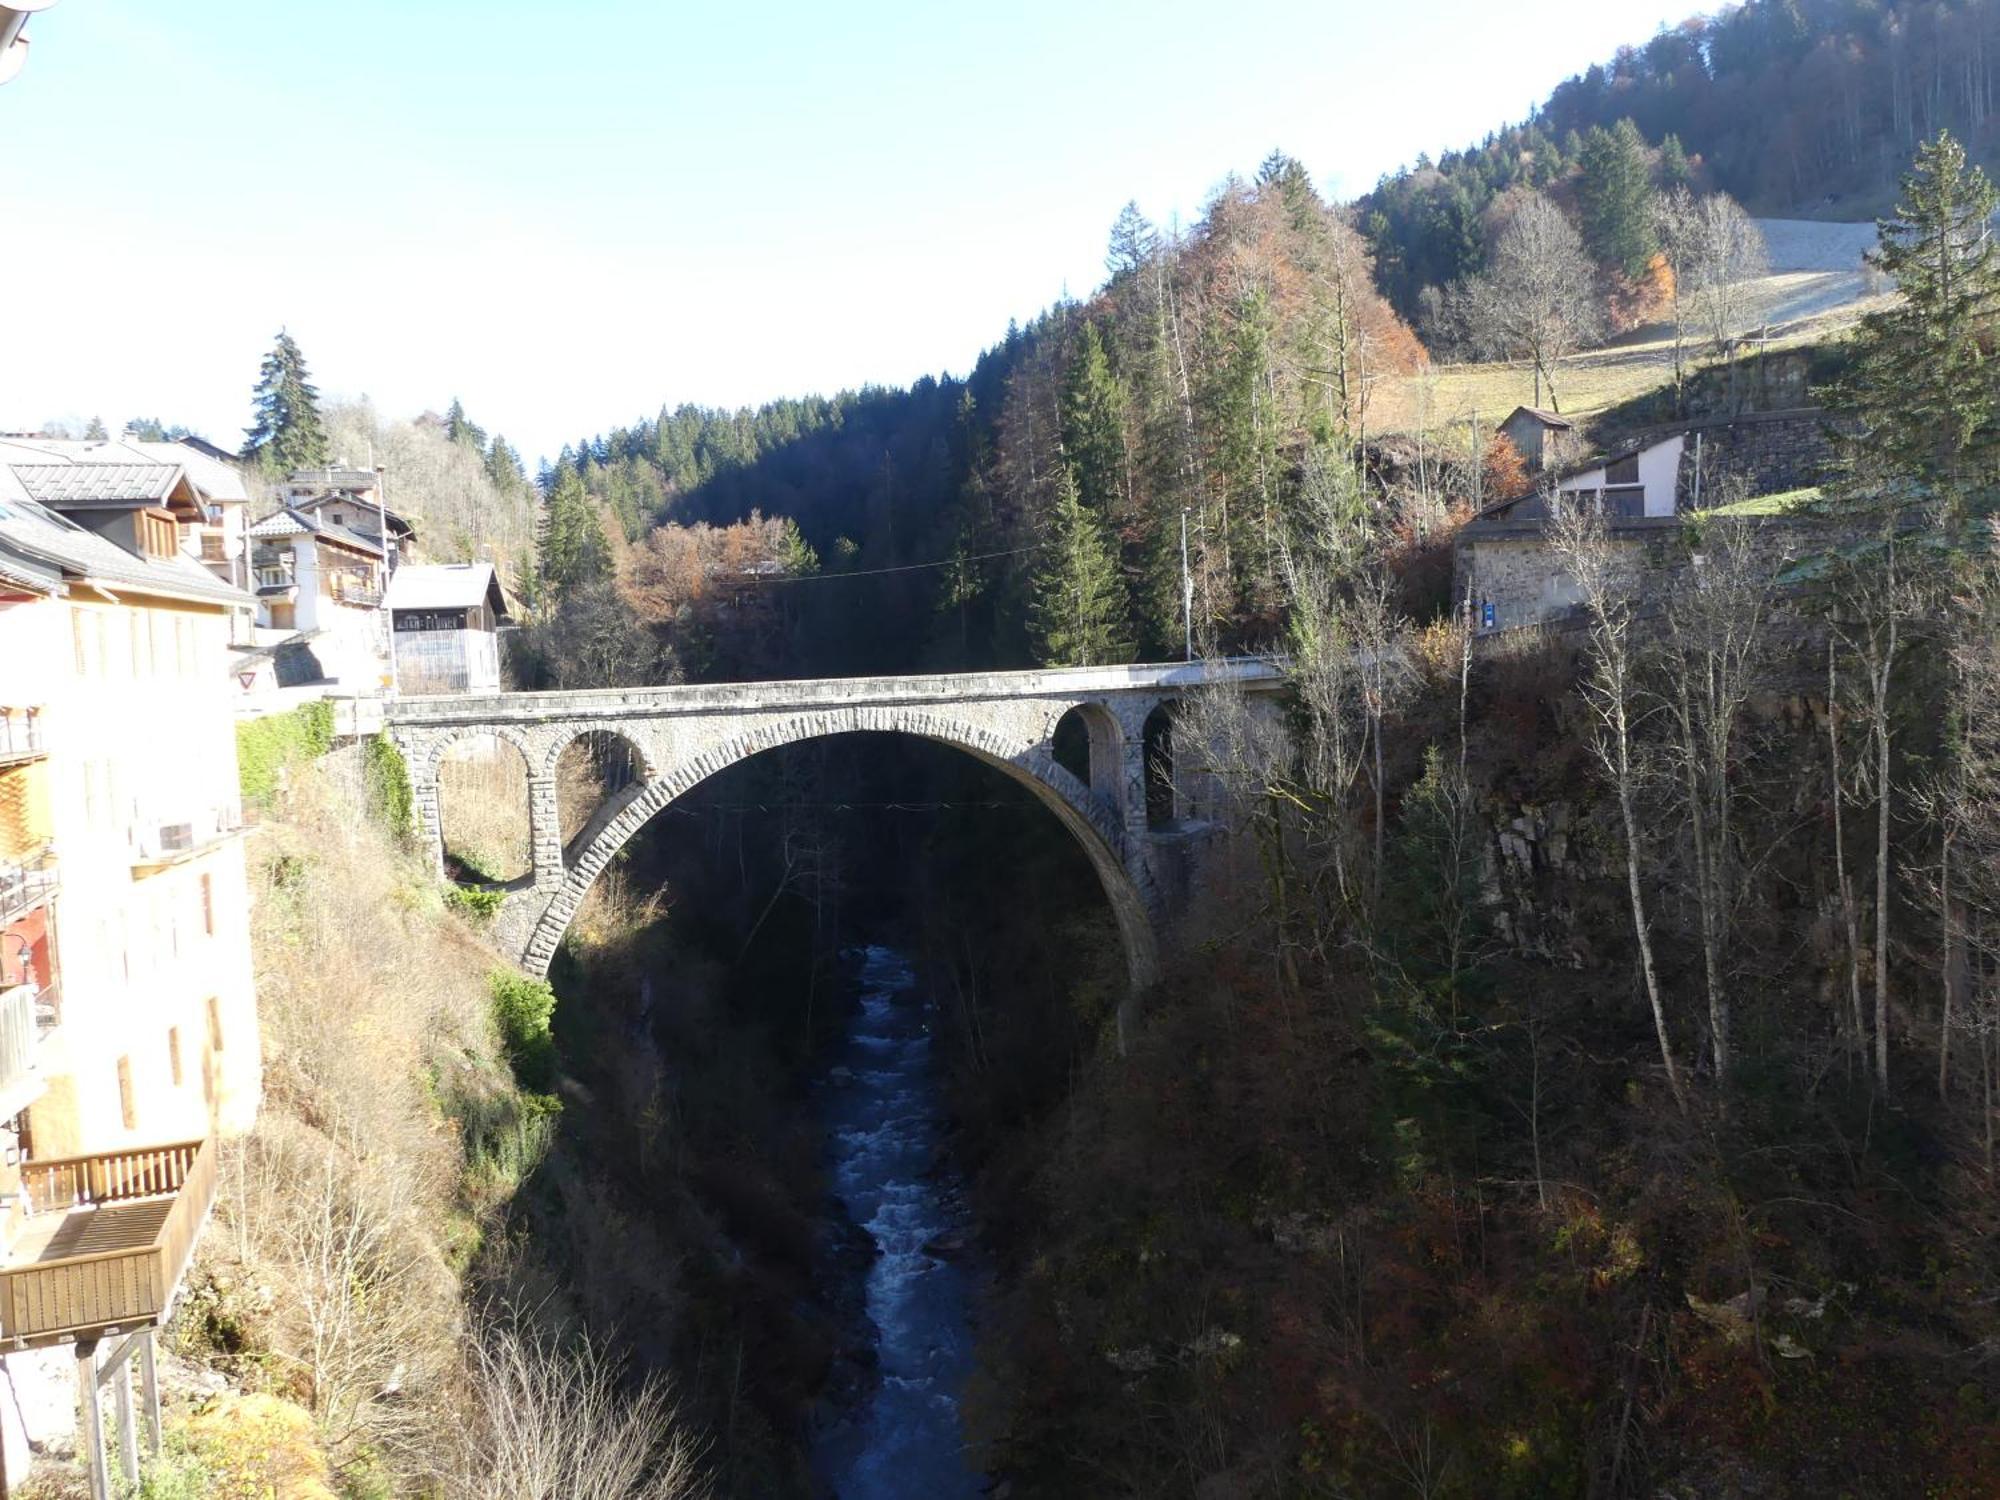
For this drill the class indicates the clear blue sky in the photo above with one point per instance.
(567, 215)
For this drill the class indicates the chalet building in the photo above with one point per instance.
(108, 482)
(1504, 558)
(447, 620)
(128, 1022)
(317, 578)
(352, 499)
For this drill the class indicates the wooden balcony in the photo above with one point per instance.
(106, 1241)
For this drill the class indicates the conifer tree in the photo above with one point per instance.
(95, 432)
(287, 433)
(461, 428)
(1616, 198)
(1134, 242)
(1920, 385)
(1093, 424)
(1081, 608)
(571, 548)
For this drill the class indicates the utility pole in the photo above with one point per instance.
(1187, 593)
(382, 519)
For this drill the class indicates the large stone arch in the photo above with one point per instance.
(1097, 827)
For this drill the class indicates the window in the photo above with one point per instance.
(1625, 471)
(127, 1104)
(340, 518)
(174, 1055)
(80, 633)
(208, 904)
(214, 1024)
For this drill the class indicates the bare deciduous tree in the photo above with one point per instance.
(1588, 555)
(1880, 600)
(549, 1423)
(1538, 299)
(1715, 642)
(1728, 254)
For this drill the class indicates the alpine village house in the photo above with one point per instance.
(128, 1023)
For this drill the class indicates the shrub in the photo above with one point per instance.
(522, 1009)
(388, 780)
(268, 749)
(474, 903)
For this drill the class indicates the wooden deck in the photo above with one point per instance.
(106, 1243)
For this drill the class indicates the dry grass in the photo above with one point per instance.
(483, 804)
(1802, 307)
(343, 1205)
(335, 1275)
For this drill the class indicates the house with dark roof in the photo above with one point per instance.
(352, 498)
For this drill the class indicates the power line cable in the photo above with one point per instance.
(949, 562)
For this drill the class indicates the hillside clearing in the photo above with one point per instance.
(1817, 289)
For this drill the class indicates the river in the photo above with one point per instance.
(883, 1110)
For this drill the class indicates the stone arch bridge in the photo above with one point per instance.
(681, 735)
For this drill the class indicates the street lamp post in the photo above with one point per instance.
(14, 45)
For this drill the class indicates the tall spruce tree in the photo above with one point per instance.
(287, 433)
(462, 429)
(1093, 424)
(1081, 610)
(1919, 388)
(1616, 198)
(571, 548)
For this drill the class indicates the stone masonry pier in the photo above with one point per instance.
(680, 736)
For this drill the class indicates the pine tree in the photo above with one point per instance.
(1616, 197)
(1081, 609)
(287, 433)
(1676, 171)
(503, 466)
(461, 429)
(1093, 424)
(95, 432)
(1918, 387)
(571, 548)
(1134, 242)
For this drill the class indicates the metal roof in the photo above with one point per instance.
(445, 586)
(217, 480)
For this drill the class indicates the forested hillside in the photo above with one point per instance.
(1210, 373)
(1795, 107)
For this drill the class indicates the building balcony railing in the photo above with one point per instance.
(26, 882)
(157, 844)
(20, 735)
(105, 1241)
(346, 590)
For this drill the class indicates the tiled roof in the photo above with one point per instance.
(288, 521)
(98, 483)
